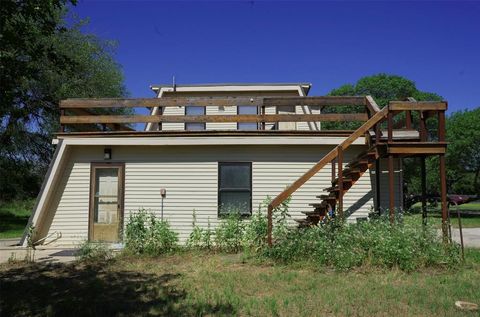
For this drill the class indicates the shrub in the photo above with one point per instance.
(145, 233)
(94, 252)
(199, 238)
(229, 234)
(406, 245)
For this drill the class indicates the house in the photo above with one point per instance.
(215, 148)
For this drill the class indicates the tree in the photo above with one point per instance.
(383, 88)
(463, 154)
(42, 60)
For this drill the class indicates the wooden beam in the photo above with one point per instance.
(416, 150)
(316, 101)
(422, 105)
(378, 173)
(340, 183)
(391, 189)
(160, 102)
(423, 176)
(372, 105)
(443, 197)
(213, 118)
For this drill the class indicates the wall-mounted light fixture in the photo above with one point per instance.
(107, 154)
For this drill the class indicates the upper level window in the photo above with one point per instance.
(194, 111)
(247, 125)
(235, 188)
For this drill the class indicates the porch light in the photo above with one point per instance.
(107, 154)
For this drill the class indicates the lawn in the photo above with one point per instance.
(434, 215)
(194, 284)
(14, 217)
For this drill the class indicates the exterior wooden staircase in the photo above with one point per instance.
(331, 203)
(398, 142)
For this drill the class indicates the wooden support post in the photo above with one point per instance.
(391, 188)
(62, 126)
(408, 119)
(160, 110)
(423, 127)
(443, 197)
(378, 134)
(441, 126)
(334, 173)
(340, 182)
(269, 225)
(262, 111)
(378, 173)
(390, 126)
(423, 177)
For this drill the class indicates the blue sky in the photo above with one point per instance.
(436, 44)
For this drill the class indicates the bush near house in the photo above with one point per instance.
(407, 245)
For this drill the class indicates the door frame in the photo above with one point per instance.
(121, 195)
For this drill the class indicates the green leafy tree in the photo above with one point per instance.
(43, 60)
(383, 88)
(463, 154)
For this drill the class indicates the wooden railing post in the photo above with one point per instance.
(334, 173)
(423, 176)
(378, 173)
(340, 182)
(391, 188)
(262, 112)
(62, 126)
(423, 127)
(390, 126)
(408, 118)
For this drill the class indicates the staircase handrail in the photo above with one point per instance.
(280, 198)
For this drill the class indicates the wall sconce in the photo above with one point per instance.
(107, 154)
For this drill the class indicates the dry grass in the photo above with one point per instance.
(193, 284)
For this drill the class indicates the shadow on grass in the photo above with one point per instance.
(10, 221)
(69, 290)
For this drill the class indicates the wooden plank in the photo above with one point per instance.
(421, 105)
(391, 189)
(316, 101)
(159, 102)
(416, 150)
(213, 118)
(372, 105)
(86, 112)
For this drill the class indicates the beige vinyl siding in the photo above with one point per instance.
(190, 175)
(231, 110)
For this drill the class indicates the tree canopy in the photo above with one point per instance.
(44, 60)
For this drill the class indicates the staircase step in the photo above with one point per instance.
(350, 171)
(345, 180)
(302, 223)
(326, 197)
(358, 163)
(323, 204)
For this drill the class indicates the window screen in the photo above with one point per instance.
(194, 111)
(235, 188)
(247, 125)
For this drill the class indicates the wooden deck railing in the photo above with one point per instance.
(82, 111)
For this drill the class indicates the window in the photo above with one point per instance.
(194, 111)
(235, 188)
(247, 125)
